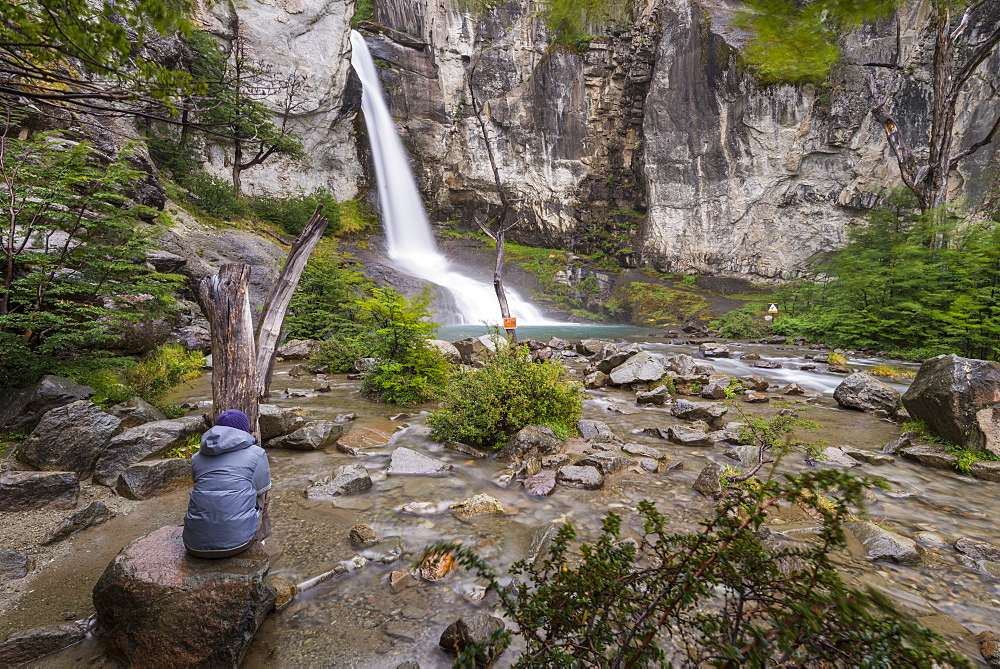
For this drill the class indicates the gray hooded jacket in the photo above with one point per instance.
(229, 471)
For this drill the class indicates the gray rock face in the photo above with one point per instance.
(470, 630)
(613, 356)
(14, 565)
(707, 411)
(29, 645)
(142, 441)
(541, 484)
(69, 438)
(929, 455)
(960, 399)
(313, 436)
(153, 595)
(135, 412)
(596, 431)
(406, 462)
(658, 396)
(686, 436)
(865, 392)
(152, 478)
(748, 456)
(94, 513)
(447, 349)
(708, 483)
(526, 448)
(641, 367)
(606, 463)
(881, 544)
(26, 491)
(471, 350)
(346, 480)
(588, 478)
(978, 550)
(21, 410)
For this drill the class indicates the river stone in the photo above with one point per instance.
(298, 349)
(752, 397)
(20, 410)
(471, 630)
(596, 380)
(436, 567)
(159, 607)
(838, 369)
(27, 491)
(589, 478)
(929, 455)
(862, 391)
(345, 480)
(708, 483)
(14, 565)
(868, 456)
(407, 462)
(614, 356)
(606, 463)
(142, 441)
(400, 580)
(591, 346)
(315, 435)
(555, 461)
(750, 356)
(526, 448)
(479, 505)
(363, 535)
(989, 647)
(834, 457)
(978, 550)
(932, 539)
(960, 399)
(135, 412)
(906, 439)
(29, 645)
(597, 432)
(708, 411)
(446, 349)
(686, 436)
(68, 438)
(643, 451)
(152, 478)
(658, 395)
(681, 365)
(986, 470)
(710, 349)
(471, 350)
(882, 544)
(93, 514)
(767, 364)
(275, 421)
(638, 368)
(793, 389)
(754, 382)
(541, 484)
(748, 456)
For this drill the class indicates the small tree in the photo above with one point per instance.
(234, 107)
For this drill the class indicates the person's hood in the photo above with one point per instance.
(222, 439)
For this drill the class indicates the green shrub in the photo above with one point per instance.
(745, 323)
(485, 407)
(171, 155)
(151, 378)
(653, 304)
(325, 302)
(291, 213)
(214, 196)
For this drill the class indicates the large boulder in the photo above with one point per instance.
(471, 350)
(526, 448)
(298, 349)
(597, 432)
(711, 349)
(313, 436)
(27, 491)
(135, 412)
(21, 410)
(142, 441)
(159, 607)
(445, 348)
(882, 544)
(94, 513)
(153, 478)
(69, 438)
(613, 356)
(960, 399)
(586, 477)
(863, 391)
(407, 462)
(479, 505)
(275, 421)
(681, 364)
(639, 368)
(707, 411)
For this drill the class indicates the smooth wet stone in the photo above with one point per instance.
(881, 544)
(641, 450)
(555, 461)
(345, 480)
(708, 483)
(752, 397)
(363, 535)
(864, 392)
(932, 539)
(464, 449)
(597, 431)
(987, 470)
(748, 456)
(14, 565)
(638, 368)
(135, 412)
(93, 514)
(407, 462)
(707, 411)
(541, 484)
(929, 455)
(436, 567)
(613, 356)
(69, 438)
(870, 457)
(755, 383)
(978, 550)
(658, 396)
(400, 580)
(648, 464)
(714, 350)
(275, 421)
(138, 443)
(767, 364)
(29, 645)
(750, 356)
(152, 478)
(686, 436)
(386, 551)
(315, 435)
(832, 456)
(285, 591)
(159, 607)
(478, 505)
(792, 389)
(422, 508)
(27, 491)
(589, 478)
(471, 630)
(606, 463)
(622, 408)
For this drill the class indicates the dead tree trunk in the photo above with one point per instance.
(235, 381)
(272, 316)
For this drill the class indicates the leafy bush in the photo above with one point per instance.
(743, 323)
(487, 406)
(653, 304)
(151, 378)
(171, 155)
(291, 213)
(214, 196)
(325, 302)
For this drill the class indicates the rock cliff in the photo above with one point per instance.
(651, 144)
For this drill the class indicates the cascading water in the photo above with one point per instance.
(408, 232)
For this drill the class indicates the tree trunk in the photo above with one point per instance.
(498, 283)
(235, 379)
(237, 166)
(276, 305)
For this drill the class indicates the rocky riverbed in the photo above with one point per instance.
(378, 615)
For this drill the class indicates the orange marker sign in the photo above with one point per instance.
(509, 323)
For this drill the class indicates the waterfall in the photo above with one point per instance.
(408, 234)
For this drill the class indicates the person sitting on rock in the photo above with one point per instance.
(228, 507)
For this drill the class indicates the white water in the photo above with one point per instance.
(408, 233)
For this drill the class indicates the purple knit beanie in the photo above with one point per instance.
(234, 418)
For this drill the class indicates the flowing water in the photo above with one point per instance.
(410, 243)
(357, 620)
